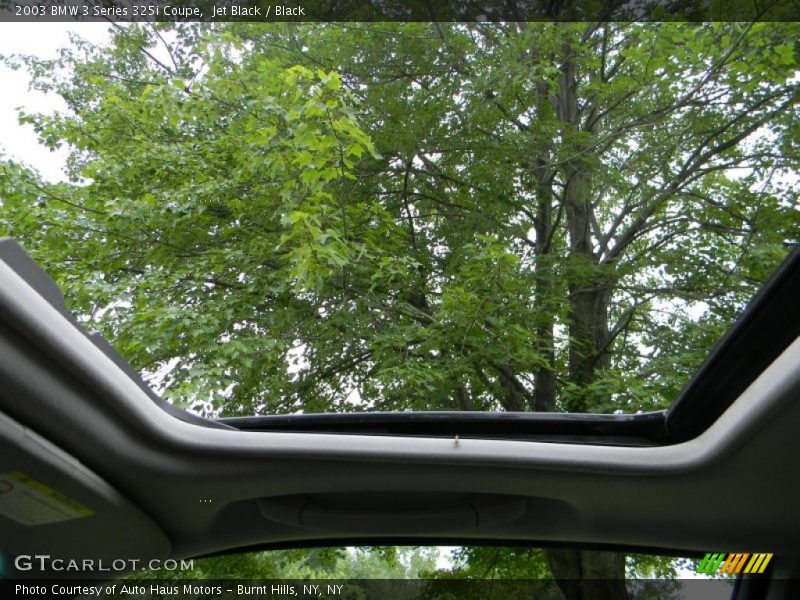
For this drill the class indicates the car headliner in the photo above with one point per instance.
(74, 418)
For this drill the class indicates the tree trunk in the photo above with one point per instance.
(544, 396)
(583, 574)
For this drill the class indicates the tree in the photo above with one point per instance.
(516, 216)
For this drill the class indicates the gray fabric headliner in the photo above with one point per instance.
(734, 486)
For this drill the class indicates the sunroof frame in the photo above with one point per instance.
(762, 332)
(769, 324)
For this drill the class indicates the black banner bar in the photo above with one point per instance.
(267, 11)
(346, 589)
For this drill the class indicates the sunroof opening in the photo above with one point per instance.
(274, 219)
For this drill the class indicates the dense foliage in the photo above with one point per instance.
(329, 217)
(417, 216)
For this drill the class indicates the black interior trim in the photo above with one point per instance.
(762, 332)
(642, 429)
(448, 541)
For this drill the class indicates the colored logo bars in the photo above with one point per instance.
(734, 563)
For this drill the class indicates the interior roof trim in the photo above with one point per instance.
(55, 335)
